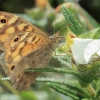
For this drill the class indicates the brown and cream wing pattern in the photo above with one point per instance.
(25, 46)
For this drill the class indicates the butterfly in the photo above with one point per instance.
(25, 46)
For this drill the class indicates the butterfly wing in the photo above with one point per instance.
(15, 51)
(11, 24)
(20, 80)
(39, 58)
(25, 47)
(18, 38)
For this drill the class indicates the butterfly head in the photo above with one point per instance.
(55, 38)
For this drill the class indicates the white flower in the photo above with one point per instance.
(84, 50)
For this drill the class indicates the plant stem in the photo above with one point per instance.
(91, 90)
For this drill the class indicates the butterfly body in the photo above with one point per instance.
(25, 46)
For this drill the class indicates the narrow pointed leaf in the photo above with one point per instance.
(57, 70)
(93, 34)
(73, 24)
(63, 91)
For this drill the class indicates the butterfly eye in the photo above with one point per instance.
(3, 20)
(16, 39)
(12, 67)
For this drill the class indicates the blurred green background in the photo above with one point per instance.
(18, 6)
(44, 16)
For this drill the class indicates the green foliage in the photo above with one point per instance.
(94, 34)
(28, 96)
(85, 73)
(73, 24)
(81, 83)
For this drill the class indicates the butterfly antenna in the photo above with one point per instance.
(55, 24)
(62, 28)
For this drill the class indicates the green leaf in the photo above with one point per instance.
(57, 70)
(78, 88)
(28, 96)
(63, 90)
(85, 99)
(93, 34)
(97, 90)
(73, 24)
(89, 73)
(71, 84)
(8, 86)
